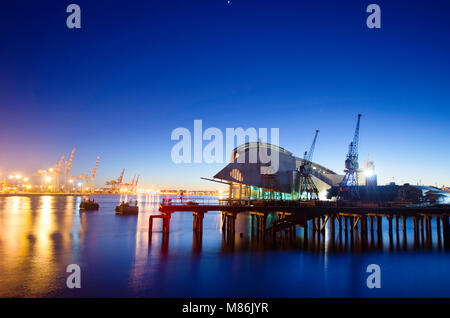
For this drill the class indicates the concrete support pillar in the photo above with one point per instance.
(363, 230)
(396, 224)
(224, 221)
(331, 219)
(416, 231)
(422, 236)
(198, 221)
(428, 230)
(379, 220)
(404, 231)
(305, 234)
(166, 223)
(438, 231)
(445, 231)
(391, 239)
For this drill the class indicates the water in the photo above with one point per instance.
(41, 235)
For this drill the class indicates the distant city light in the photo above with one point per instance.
(48, 179)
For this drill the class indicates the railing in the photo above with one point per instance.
(281, 203)
(190, 201)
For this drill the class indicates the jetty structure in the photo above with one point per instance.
(278, 194)
(345, 203)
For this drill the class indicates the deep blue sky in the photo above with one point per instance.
(138, 69)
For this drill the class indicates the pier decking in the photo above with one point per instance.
(315, 215)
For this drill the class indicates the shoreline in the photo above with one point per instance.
(87, 194)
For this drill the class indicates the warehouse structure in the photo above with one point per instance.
(248, 180)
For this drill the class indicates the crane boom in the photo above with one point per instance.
(353, 149)
(121, 176)
(69, 164)
(308, 155)
(94, 171)
(135, 184)
(60, 164)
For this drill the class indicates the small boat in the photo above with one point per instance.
(127, 209)
(89, 205)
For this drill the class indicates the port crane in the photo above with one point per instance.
(93, 173)
(59, 167)
(308, 190)
(68, 165)
(132, 186)
(116, 184)
(136, 183)
(349, 187)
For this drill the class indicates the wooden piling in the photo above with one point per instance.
(391, 239)
(438, 231)
(332, 229)
(404, 243)
(422, 237)
(416, 231)
(445, 231)
(428, 230)
(363, 230)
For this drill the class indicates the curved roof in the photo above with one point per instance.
(250, 172)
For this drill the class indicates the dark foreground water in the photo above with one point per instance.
(40, 236)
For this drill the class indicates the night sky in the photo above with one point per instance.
(136, 70)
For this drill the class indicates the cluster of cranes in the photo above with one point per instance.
(63, 181)
(118, 185)
(58, 178)
(348, 187)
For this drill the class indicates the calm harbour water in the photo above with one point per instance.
(41, 235)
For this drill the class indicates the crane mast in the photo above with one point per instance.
(136, 183)
(59, 167)
(119, 181)
(348, 188)
(308, 190)
(94, 172)
(69, 164)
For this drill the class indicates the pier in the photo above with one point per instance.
(345, 222)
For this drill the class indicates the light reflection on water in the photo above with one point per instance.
(41, 235)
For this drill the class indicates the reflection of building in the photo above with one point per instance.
(255, 179)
